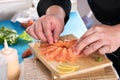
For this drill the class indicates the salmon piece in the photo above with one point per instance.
(59, 43)
(58, 57)
(47, 47)
(60, 51)
(44, 45)
(65, 43)
(50, 49)
(56, 52)
(71, 52)
(52, 55)
(42, 52)
(70, 43)
(47, 57)
(29, 23)
(71, 56)
(65, 52)
(27, 53)
(63, 55)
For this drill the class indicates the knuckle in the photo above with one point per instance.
(93, 47)
(87, 51)
(97, 28)
(102, 34)
(45, 18)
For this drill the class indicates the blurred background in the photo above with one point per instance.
(8, 8)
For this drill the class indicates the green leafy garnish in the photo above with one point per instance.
(26, 37)
(99, 59)
(9, 34)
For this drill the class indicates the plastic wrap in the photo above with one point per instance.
(3, 68)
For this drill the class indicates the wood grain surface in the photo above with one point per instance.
(35, 70)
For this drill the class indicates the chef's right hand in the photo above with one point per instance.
(48, 27)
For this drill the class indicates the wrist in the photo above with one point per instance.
(56, 11)
(117, 29)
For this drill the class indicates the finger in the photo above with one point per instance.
(56, 34)
(91, 31)
(39, 31)
(104, 49)
(48, 31)
(93, 47)
(30, 31)
(87, 33)
(86, 42)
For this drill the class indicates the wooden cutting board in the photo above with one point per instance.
(35, 70)
(86, 64)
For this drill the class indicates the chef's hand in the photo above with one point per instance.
(102, 38)
(48, 27)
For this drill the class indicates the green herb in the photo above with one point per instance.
(9, 34)
(26, 37)
(99, 59)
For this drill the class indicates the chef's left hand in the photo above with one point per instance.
(102, 38)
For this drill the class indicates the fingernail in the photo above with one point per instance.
(50, 42)
(56, 40)
(76, 52)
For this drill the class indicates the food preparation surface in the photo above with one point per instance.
(86, 64)
(40, 72)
